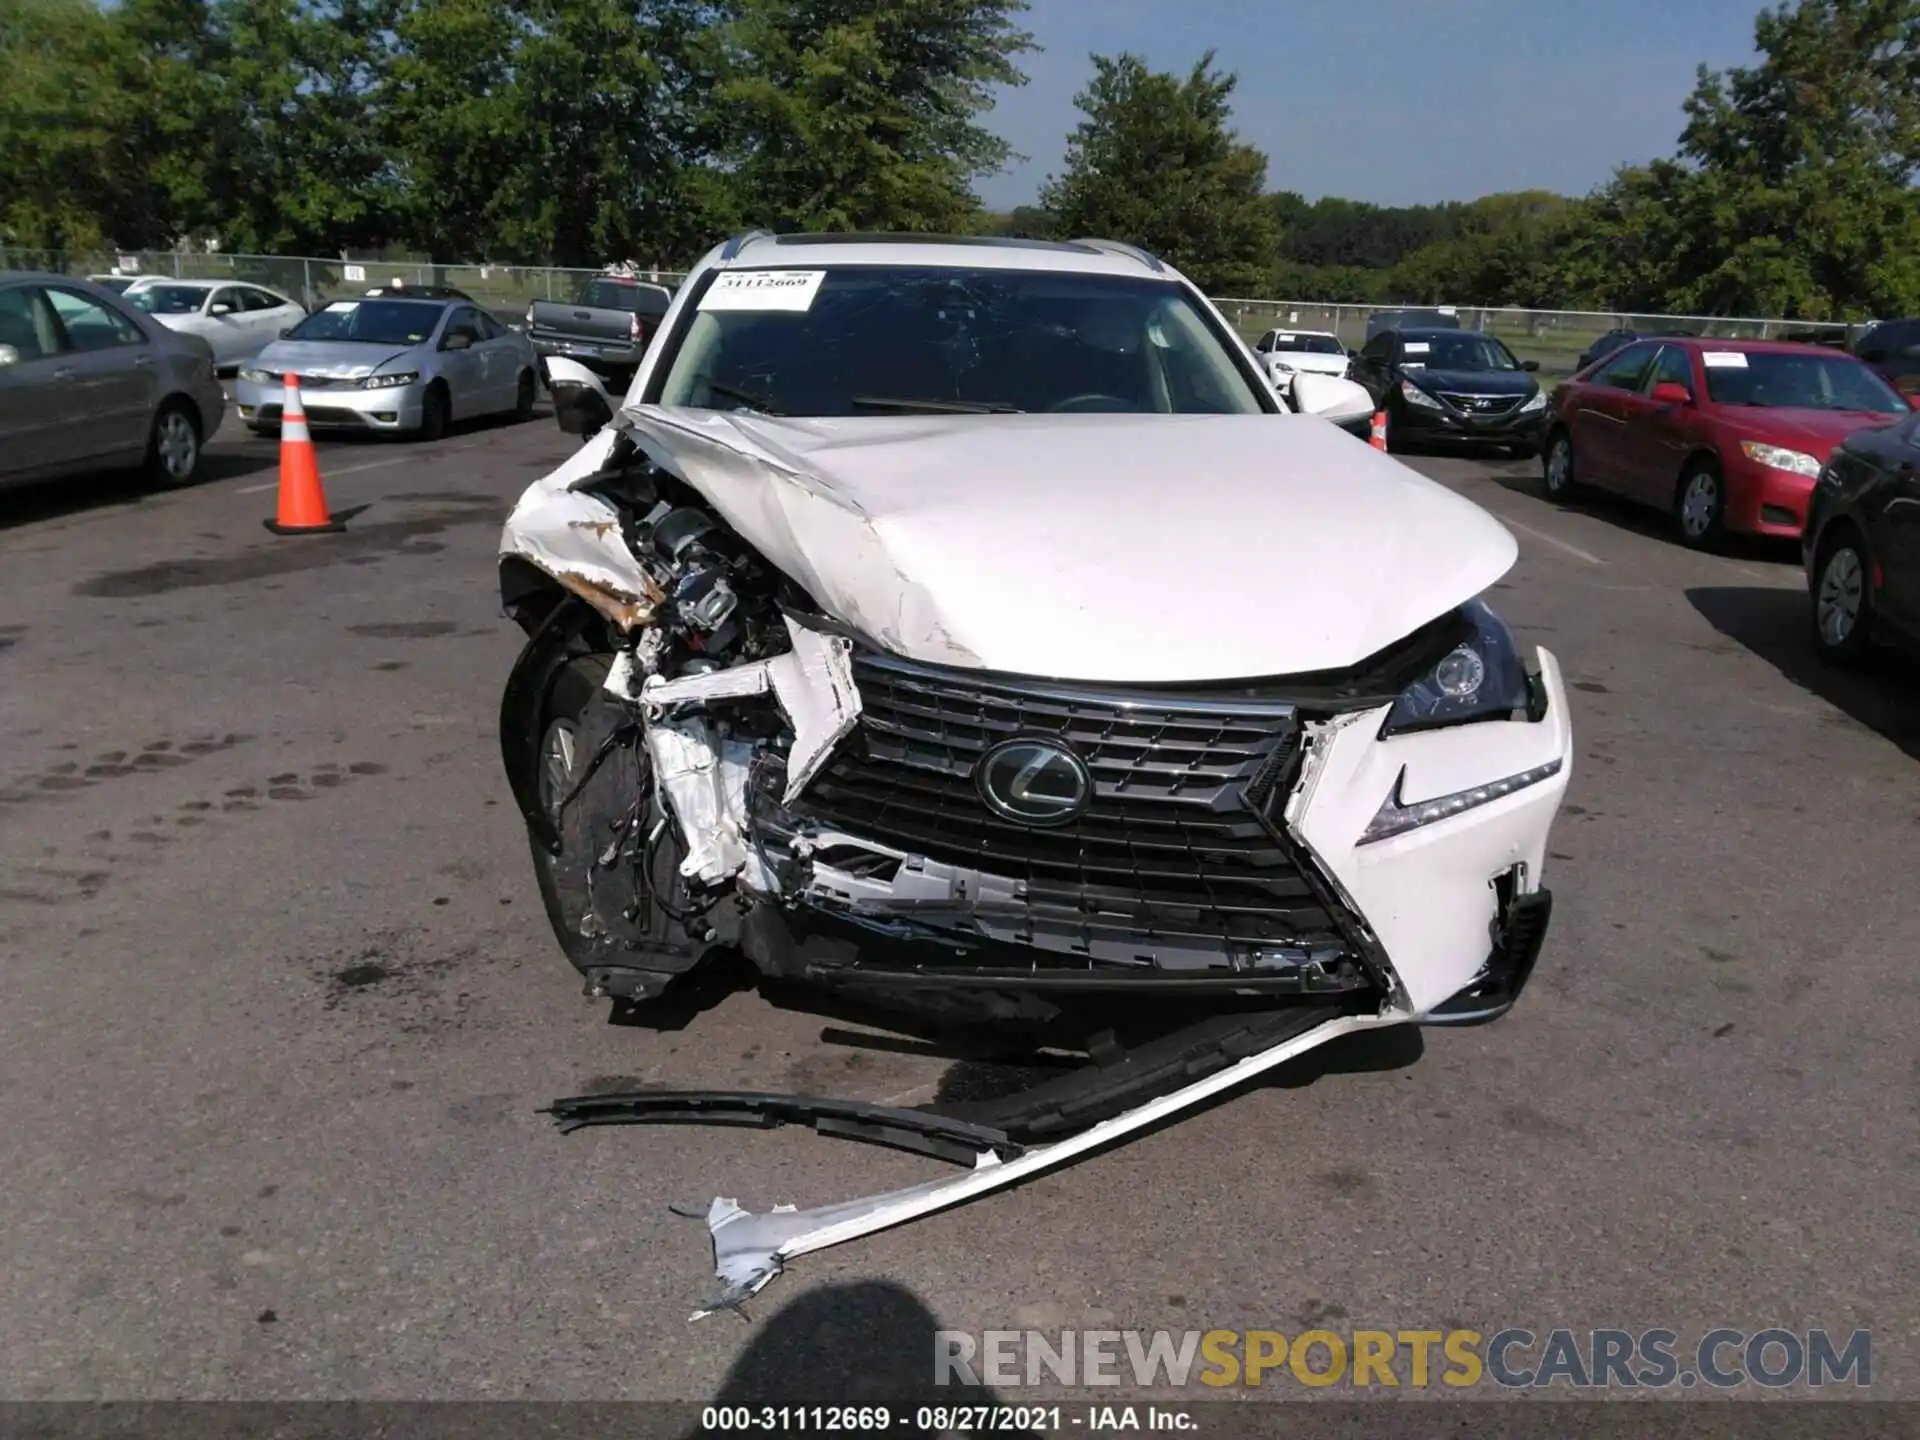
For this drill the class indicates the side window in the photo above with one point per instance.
(89, 325)
(1266, 342)
(228, 296)
(1627, 369)
(462, 322)
(490, 328)
(1674, 367)
(254, 301)
(27, 324)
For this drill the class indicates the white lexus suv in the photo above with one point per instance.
(969, 627)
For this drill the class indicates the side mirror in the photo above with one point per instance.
(1331, 398)
(1353, 354)
(461, 341)
(581, 404)
(1671, 392)
(1530, 366)
(220, 307)
(11, 356)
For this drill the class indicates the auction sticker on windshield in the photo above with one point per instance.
(1724, 360)
(763, 290)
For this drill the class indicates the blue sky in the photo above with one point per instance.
(1395, 101)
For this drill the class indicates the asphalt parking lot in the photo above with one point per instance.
(281, 1004)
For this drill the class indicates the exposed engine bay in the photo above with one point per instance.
(825, 749)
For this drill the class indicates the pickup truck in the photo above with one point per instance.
(606, 328)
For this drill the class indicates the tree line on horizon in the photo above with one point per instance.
(573, 132)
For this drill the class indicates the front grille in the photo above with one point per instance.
(1483, 405)
(1175, 846)
(327, 382)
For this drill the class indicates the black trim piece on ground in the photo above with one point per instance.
(921, 1132)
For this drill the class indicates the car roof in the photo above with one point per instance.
(1440, 332)
(1743, 347)
(1300, 330)
(983, 252)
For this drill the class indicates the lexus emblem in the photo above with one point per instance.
(1034, 782)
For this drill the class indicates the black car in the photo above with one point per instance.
(1615, 340)
(1893, 348)
(1382, 320)
(1862, 543)
(1453, 387)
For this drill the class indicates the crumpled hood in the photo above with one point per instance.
(330, 359)
(1084, 547)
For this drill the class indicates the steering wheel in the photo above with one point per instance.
(1093, 400)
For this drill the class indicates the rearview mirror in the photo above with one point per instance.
(581, 404)
(1672, 392)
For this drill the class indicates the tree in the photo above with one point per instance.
(1793, 193)
(1155, 163)
(862, 115)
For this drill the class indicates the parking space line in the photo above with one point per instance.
(1553, 540)
(356, 469)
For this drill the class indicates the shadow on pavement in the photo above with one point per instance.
(867, 1343)
(1773, 624)
(1525, 479)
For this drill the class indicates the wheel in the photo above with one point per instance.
(1558, 469)
(1700, 505)
(173, 450)
(523, 401)
(435, 412)
(1841, 599)
(621, 912)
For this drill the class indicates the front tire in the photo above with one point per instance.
(523, 401)
(1700, 506)
(1841, 599)
(435, 413)
(173, 449)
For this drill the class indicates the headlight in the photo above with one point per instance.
(1482, 678)
(1414, 395)
(1775, 457)
(1538, 402)
(259, 377)
(390, 382)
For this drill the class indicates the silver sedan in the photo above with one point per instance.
(403, 366)
(87, 383)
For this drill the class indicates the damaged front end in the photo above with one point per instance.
(720, 746)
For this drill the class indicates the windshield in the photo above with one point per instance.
(875, 340)
(626, 295)
(1459, 352)
(1308, 344)
(168, 299)
(1798, 382)
(371, 322)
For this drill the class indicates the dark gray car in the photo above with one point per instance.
(88, 383)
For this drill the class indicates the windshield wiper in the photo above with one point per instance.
(745, 397)
(931, 405)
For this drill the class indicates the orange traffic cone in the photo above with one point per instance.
(1378, 439)
(303, 505)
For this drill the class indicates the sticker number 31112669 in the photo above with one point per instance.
(763, 290)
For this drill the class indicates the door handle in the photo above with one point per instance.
(144, 362)
(65, 372)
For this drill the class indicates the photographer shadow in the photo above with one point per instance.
(868, 1343)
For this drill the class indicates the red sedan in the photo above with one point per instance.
(1722, 434)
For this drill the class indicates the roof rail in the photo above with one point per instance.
(1120, 247)
(740, 242)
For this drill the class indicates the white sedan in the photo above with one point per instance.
(1290, 352)
(239, 321)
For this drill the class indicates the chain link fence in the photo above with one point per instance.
(1554, 338)
(313, 280)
